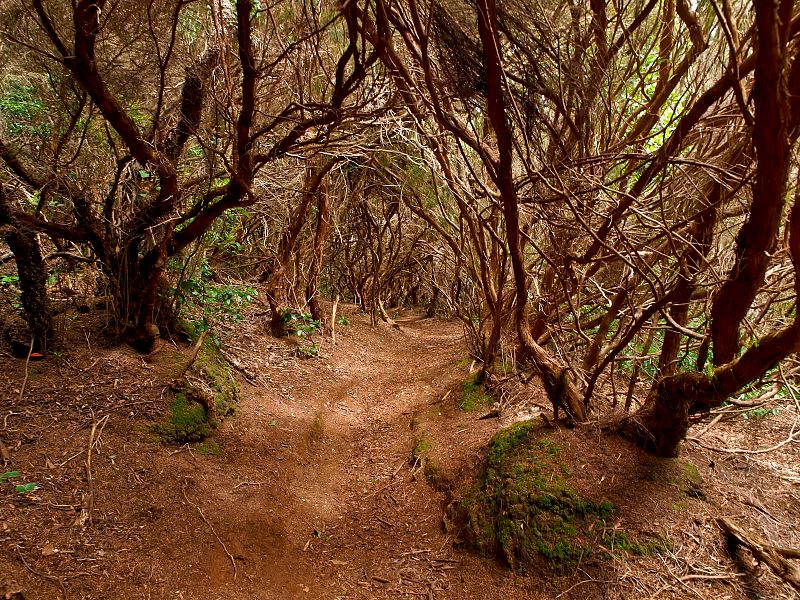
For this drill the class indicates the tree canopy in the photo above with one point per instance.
(607, 188)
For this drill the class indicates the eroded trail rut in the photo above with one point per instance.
(315, 494)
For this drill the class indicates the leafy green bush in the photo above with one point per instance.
(199, 299)
(21, 108)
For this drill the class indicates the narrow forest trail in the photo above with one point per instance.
(313, 493)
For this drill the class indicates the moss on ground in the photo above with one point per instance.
(421, 446)
(618, 542)
(473, 395)
(215, 370)
(208, 449)
(187, 422)
(523, 509)
(195, 412)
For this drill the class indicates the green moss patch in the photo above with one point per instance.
(618, 542)
(208, 449)
(523, 510)
(421, 446)
(214, 369)
(473, 395)
(187, 422)
(198, 409)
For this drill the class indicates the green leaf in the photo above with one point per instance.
(144, 174)
(8, 475)
(26, 487)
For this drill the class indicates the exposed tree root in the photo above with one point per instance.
(775, 557)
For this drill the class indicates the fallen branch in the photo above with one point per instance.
(88, 501)
(211, 527)
(52, 578)
(774, 557)
(193, 356)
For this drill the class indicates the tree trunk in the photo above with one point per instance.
(663, 421)
(32, 273)
(276, 279)
(557, 381)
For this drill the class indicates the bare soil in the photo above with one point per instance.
(313, 490)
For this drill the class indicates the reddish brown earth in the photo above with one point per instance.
(314, 493)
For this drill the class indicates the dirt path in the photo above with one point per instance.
(313, 493)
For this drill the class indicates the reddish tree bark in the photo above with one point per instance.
(557, 381)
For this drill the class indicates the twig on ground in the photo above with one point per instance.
(214, 531)
(88, 503)
(27, 362)
(580, 583)
(43, 575)
(249, 377)
(794, 437)
(442, 399)
(333, 319)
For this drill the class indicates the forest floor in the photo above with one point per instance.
(316, 488)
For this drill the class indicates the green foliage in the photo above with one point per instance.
(26, 488)
(224, 235)
(759, 414)
(473, 396)
(21, 108)
(342, 320)
(199, 298)
(300, 324)
(310, 350)
(523, 509)
(8, 475)
(9, 280)
(22, 488)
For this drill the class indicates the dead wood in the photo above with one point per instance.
(775, 557)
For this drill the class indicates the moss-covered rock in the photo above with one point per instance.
(188, 422)
(215, 371)
(522, 508)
